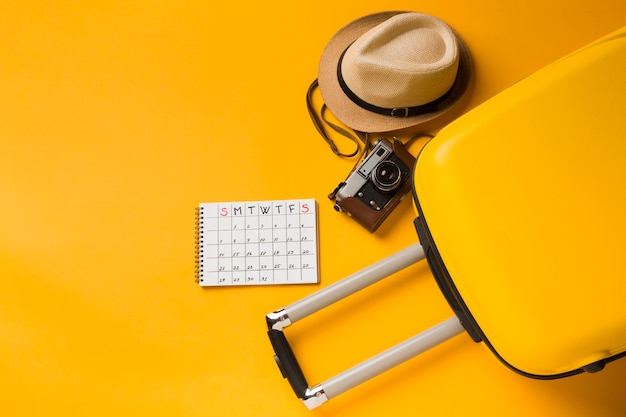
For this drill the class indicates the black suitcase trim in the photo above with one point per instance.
(454, 299)
(444, 281)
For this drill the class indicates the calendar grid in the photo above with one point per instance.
(257, 243)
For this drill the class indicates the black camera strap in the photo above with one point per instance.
(359, 138)
(320, 121)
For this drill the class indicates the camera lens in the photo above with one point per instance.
(386, 176)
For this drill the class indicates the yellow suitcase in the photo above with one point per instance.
(521, 216)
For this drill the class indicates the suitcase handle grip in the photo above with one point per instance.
(287, 362)
(319, 394)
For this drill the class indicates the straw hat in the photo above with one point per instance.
(393, 70)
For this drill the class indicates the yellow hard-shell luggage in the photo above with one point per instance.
(521, 216)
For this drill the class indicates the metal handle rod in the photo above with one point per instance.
(392, 357)
(355, 282)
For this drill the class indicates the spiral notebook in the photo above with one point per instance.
(257, 243)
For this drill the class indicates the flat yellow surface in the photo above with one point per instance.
(118, 117)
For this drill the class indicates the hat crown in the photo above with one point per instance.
(409, 60)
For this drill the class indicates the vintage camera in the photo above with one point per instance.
(377, 185)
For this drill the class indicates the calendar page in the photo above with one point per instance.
(257, 243)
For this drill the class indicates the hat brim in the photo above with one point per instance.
(356, 117)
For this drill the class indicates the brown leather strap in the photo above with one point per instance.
(320, 121)
(359, 138)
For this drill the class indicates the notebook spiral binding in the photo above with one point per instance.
(199, 240)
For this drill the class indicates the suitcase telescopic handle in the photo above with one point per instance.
(320, 393)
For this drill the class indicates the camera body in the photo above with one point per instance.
(377, 185)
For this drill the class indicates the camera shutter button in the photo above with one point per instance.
(375, 205)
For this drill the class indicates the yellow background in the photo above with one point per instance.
(118, 117)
